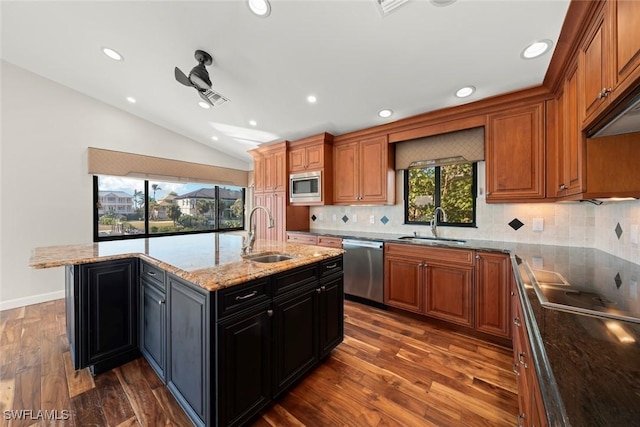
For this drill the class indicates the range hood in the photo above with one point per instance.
(625, 121)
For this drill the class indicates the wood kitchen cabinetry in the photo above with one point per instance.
(455, 285)
(364, 172)
(515, 154)
(312, 239)
(530, 402)
(314, 154)
(270, 190)
(102, 314)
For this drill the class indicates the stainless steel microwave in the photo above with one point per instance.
(305, 187)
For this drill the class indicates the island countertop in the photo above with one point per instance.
(211, 261)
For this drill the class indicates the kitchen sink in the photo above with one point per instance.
(432, 239)
(270, 258)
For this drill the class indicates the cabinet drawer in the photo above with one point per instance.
(331, 266)
(293, 279)
(152, 274)
(458, 256)
(307, 239)
(330, 242)
(235, 298)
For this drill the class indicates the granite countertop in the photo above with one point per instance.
(212, 261)
(589, 372)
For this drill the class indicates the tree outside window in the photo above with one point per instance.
(451, 187)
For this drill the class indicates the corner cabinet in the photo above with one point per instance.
(515, 155)
(364, 172)
(102, 314)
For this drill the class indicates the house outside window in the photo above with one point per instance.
(133, 208)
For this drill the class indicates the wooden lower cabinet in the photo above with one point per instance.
(460, 286)
(532, 412)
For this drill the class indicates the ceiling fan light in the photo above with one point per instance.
(261, 8)
(536, 49)
(204, 105)
(131, 100)
(200, 77)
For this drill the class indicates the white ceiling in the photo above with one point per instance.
(343, 51)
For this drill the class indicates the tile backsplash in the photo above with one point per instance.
(611, 227)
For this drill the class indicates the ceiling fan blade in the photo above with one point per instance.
(207, 100)
(182, 77)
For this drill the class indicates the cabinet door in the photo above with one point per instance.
(314, 157)
(280, 176)
(492, 294)
(153, 328)
(594, 63)
(403, 283)
(448, 293)
(244, 360)
(331, 316)
(188, 355)
(276, 203)
(297, 160)
(573, 143)
(515, 154)
(345, 167)
(626, 17)
(373, 169)
(258, 173)
(110, 324)
(294, 337)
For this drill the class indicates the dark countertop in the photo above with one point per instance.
(588, 376)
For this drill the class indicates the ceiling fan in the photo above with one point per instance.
(199, 79)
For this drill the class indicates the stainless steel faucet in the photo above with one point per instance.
(434, 221)
(247, 243)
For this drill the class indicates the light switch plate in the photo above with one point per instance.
(634, 234)
(372, 219)
(355, 218)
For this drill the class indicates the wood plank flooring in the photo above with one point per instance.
(391, 370)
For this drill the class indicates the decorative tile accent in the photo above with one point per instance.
(313, 217)
(618, 280)
(516, 224)
(384, 220)
(618, 231)
(345, 219)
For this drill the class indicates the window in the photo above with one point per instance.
(452, 187)
(132, 208)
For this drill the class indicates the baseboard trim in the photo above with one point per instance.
(35, 299)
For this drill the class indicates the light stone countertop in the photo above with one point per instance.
(212, 260)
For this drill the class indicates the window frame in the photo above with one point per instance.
(437, 199)
(96, 199)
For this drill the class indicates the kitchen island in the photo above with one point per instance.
(226, 333)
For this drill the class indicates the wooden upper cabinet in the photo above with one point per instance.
(625, 19)
(364, 172)
(258, 172)
(594, 66)
(306, 158)
(275, 167)
(515, 150)
(314, 154)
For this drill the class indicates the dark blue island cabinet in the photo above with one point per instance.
(229, 353)
(101, 311)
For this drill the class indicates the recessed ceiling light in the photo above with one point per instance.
(253, 123)
(215, 138)
(385, 113)
(536, 49)
(204, 105)
(261, 8)
(311, 99)
(463, 92)
(131, 99)
(112, 54)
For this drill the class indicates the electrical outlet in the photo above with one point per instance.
(372, 219)
(634, 234)
(355, 218)
(537, 224)
(333, 218)
(320, 216)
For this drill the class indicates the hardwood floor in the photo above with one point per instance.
(390, 370)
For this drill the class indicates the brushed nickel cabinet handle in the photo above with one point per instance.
(252, 294)
(161, 302)
(521, 357)
(516, 370)
(151, 273)
(334, 265)
(516, 322)
(269, 313)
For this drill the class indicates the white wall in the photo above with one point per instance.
(46, 191)
(566, 223)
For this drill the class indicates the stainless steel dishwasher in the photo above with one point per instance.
(363, 278)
